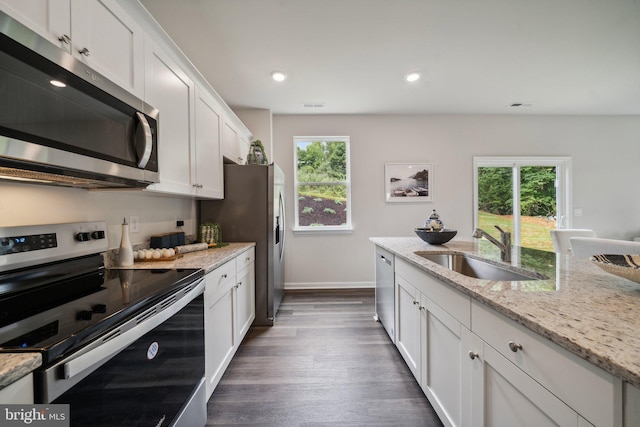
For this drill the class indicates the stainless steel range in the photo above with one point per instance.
(121, 347)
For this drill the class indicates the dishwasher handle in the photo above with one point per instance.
(103, 352)
(388, 261)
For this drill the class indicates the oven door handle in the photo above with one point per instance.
(102, 353)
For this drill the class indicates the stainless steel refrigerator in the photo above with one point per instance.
(253, 211)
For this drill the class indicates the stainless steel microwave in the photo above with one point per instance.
(62, 123)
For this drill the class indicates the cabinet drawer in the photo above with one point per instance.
(245, 259)
(451, 300)
(589, 390)
(220, 280)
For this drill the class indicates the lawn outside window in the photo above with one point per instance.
(322, 183)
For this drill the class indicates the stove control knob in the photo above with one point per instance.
(83, 237)
(84, 315)
(97, 235)
(100, 308)
(4, 242)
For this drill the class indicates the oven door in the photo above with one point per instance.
(151, 374)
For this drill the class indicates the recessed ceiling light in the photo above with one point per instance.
(412, 77)
(278, 76)
(57, 83)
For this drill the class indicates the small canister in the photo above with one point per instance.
(434, 222)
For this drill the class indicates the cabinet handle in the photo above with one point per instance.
(84, 51)
(421, 307)
(65, 39)
(416, 302)
(239, 283)
(235, 286)
(473, 355)
(515, 346)
(224, 276)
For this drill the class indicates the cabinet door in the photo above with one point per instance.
(246, 308)
(219, 327)
(170, 91)
(503, 395)
(51, 19)
(408, 325)
(243, 148)
(230, 142)
(207, 156)
(443, 379)
(107, 39)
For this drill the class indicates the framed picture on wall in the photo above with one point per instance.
(408, 182)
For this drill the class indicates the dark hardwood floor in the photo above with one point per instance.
(326, 362)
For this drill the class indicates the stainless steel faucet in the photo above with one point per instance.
(504, 244)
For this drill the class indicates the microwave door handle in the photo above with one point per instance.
(148, 141)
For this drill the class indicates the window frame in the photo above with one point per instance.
(348, 227)
(563, 185)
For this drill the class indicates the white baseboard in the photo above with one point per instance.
(328, 285)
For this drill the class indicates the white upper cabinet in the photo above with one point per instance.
(171, 91)
(97, 32)
(235, 142)
(51, 19)
(189, 160)
(109, 41)
(207, 172)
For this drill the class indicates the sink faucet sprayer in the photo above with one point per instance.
(504, 244)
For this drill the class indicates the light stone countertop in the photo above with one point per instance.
(208, 260)
(585, 310)
(14, 366)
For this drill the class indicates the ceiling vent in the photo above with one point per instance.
(313, 105)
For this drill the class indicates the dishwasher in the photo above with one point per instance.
(385, 291)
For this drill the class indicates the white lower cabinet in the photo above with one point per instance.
(20, 391)
(408, 325)
(479, 368)
(246, 292)
(503, 395)
(220, 340)
(442, 379)
(229, 312)
(430, 340)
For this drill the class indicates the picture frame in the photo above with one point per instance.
(408, 182)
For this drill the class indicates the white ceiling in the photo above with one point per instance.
(475, 56)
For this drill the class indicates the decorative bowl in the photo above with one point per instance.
(435, 237)
(627, 266)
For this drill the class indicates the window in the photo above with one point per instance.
(322, 183)
(527, 196)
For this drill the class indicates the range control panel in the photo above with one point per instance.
(30, 245)
(34, 242)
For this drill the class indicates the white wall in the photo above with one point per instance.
(605, 151)
(27, 204)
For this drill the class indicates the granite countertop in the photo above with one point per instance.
(208, 260)
(585, 310)
(14, 366)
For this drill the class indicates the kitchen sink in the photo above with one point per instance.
(478, 269)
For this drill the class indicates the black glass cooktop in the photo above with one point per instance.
(60, 312)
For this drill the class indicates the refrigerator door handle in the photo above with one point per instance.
(281, 230)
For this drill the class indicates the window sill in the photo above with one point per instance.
(322, 230)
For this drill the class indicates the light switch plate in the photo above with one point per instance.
(134, 224)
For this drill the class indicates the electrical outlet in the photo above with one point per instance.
(134, 224)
